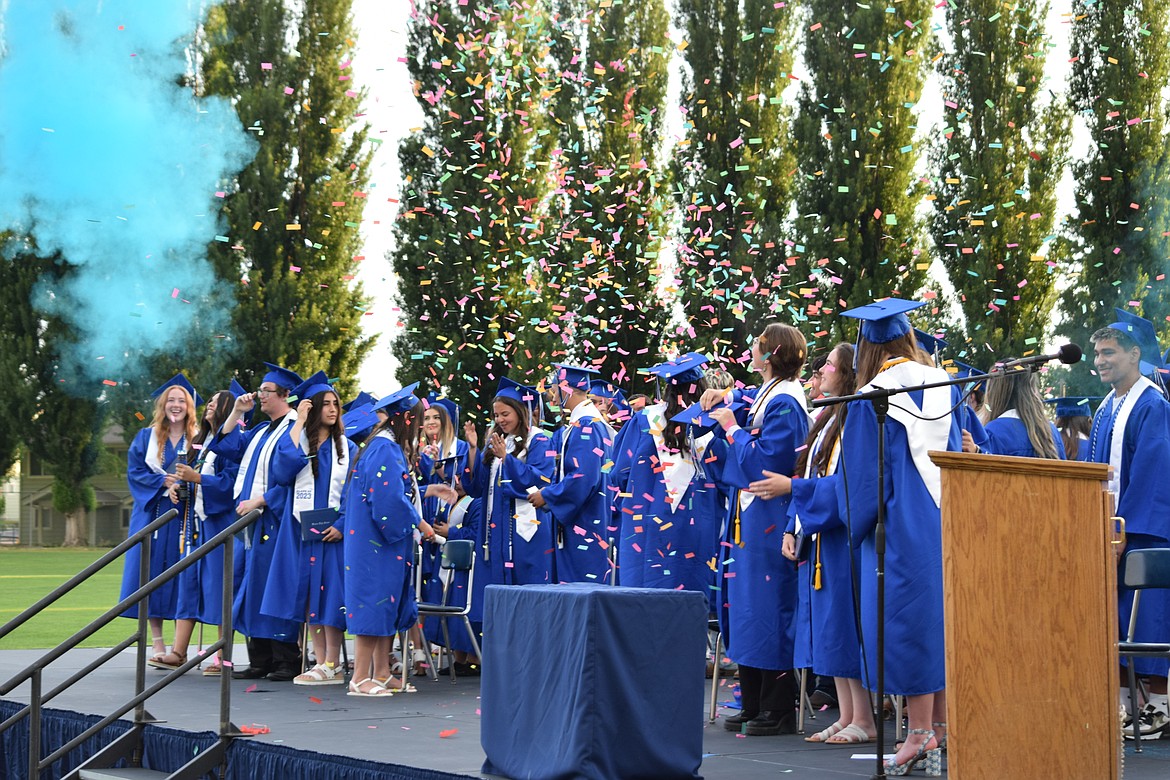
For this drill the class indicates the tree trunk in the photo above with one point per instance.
(76, 528)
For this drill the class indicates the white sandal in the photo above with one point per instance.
(320, 674)
(379, 690)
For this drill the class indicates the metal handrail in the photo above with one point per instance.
(224, 644)
(88, 571)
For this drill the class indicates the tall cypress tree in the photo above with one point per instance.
(471, 243)
(611, 201)
(856, 229)
(294, 214)
(997, 166)
(733, 169)
(1119, 231)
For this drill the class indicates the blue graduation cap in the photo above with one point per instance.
(359, 421)
(694, 414)
(682, 370)
(236, 389)
(577, 377)
(448, 405)
(317, 383)
(884, 321)
(282, 377)
(399, 401)
(1142, 332)
(610, 391)
(963, 370)
(528, 397)
(178, 380)
(363, 398)
(1073, 406)
(932, 344)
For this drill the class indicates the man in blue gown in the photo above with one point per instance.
(1131, 432)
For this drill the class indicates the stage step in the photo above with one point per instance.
(126, 773)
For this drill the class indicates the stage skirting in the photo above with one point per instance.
(168, 749)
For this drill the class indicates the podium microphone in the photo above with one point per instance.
(1068, 354)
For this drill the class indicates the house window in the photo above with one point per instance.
(125, 518)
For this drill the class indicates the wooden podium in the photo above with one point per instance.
(1029, 577)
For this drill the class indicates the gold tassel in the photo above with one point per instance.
(735, 530)
(817, 570)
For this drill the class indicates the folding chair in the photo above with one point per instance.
(458, 556)
(1142, 569)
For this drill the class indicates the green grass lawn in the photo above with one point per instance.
(27, 574)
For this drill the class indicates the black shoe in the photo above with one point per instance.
(282, 674)
(821, 698)
(735, 722)
(251, 673)
(770, 723)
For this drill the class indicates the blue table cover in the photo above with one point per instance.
(592, 681)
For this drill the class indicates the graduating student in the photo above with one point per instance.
(829, 631)
(517, 539)
(383, 507)
(262, 483)
(1131, 432)
(579, 496)
(669, 526)
(305, 581)
(611, 402)
(209, 482)
(151, 461)
(919, 421)
(1018, 425)
(1074, 420)
(758, 582)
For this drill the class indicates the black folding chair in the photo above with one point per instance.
(458, 556)
(1142, 569)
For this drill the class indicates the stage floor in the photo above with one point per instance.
(438, 726)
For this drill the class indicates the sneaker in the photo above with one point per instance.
(1151, 723)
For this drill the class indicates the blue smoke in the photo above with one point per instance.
(108, 159)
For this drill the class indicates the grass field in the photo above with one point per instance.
(27, 574)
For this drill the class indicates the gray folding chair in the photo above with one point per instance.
(458, 556)
(1142, 569)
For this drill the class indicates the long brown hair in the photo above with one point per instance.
(1017, 390)
(521, 428)
(871, 357)
(162, 428)
(403, 426)
(446, 428)
(313, 426)
(833, 417)
(1071, 431)
(221, 406)
(678, 397)
(784, 347)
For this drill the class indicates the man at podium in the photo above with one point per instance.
(1131, 433)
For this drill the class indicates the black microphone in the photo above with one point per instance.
(1069, 354)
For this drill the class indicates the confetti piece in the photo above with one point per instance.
(448, 733)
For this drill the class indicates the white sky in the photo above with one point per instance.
(392, 111)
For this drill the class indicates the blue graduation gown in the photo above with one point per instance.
(201, 586)
(830, 634)
(307, 575)
(658, 547)
(150, 502)
(429, 474)
(380, 519)
(470, 529)
(969, 422)
(1144, 504)
(504, 558)
(248, 618)
(914, 641)
(1008, 436)
(579, 501)
(758, 583)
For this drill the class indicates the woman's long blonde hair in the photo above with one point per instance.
(446, 430)
(162, 428)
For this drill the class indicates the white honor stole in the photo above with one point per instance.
(1117, 432)
(923, 435)
(677, 468)
(305, 489)
(153, 457)
(262, 452)
(789, 387)
(207, 469)
(524, 513)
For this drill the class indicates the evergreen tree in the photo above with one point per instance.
(1118, 242)
(733, 169)
(294, 214)
(856, 228)
(611, 200)
(997, 165)
(471, 242)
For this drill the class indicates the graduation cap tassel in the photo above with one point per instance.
(817, 570)
(735, 529)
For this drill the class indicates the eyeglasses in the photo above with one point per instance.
(265, 391)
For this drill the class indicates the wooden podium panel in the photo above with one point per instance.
(1030, 599)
